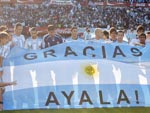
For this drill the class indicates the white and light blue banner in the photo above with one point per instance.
(78, 75)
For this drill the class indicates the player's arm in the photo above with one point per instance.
(3, 84)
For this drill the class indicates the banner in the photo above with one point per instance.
(60, 2)
(29, 1)
(123, 4)
(78, 74)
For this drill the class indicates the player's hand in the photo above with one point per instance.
(13, 83)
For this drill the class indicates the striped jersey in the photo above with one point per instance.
(18, 40)
(33, 44)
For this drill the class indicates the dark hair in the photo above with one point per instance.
(18, 24)
(74, 28)
(106, 33)
(120, 31)
(142, 35)
(88, 30)
(112, 29)
(148, 32)
(4, 34)
(32, 29)
(3, 28)
(140, 27)
(51, 27)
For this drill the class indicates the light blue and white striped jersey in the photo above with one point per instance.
(18, 40)
(33, 44)
(5, 50)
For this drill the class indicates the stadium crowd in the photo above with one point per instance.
(70, 15)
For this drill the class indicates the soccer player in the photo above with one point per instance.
(17, 38)
(142, 40)
(52, 38)
(99, 34)
(4, 38)
(140, 30)
(4, 44)
(74, 35)
(33, 42)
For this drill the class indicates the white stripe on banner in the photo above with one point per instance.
(74, 72)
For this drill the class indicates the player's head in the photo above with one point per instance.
(98, 33)
(74, 31)
(4, 38)
(140, 30)
(3, 28)
(33, 32)
(148, 35)
(120, 35)
(51, 30)
(113, 33)
(142, 38)
(18, 28)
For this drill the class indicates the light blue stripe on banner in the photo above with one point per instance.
(79, 50)
(82, 96)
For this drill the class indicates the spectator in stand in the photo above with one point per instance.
(113, 34)
(52, 38)
(140, 30)
(17, 38)
(65, 16)
(141, 1)
(74, 35)
(148, 38)
(34, 42)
